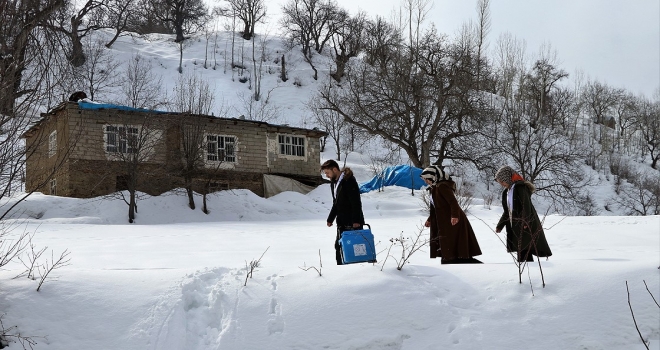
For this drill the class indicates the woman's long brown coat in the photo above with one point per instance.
(455, 241)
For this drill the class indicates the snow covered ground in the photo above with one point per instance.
(175, 280)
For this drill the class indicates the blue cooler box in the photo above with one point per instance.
(357, 246)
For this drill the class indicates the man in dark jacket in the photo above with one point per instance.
(346, 203)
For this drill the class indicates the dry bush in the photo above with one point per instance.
(318, 270)
(409, 246)
(249, 267)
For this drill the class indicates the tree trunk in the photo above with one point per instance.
(131, 207)
(316, 73)
(246, 31)
(283, 73)
(189, 191)
(179, 34)
(205, 208)
(341, 62)
(180, 69)
(77, 53)
(112, 41)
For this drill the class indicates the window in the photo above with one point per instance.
(53, 187)
(220, 148)
(52, 143)
(121, 139)
(292, 145)
(215, 186)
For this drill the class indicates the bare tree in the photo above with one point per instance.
(19, 23)
(134, 143)
(257, 68)
(347, 40)
(423, 101)
(120, 15)
(98, 73)
(309, 23)
(260, 110)
(539, 84)
(600, 100)
(649, 127)
(626, 121)
(183, 16)
(140, 86)
(483, 27)
(194, 95)
(330, 121)
(78, 22)
(510, 61)
(192, 151)
(382, 42)
(544, 156)
(641, 196)
(250, 12)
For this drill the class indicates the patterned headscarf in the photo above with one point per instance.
(507, 175)
(435, 174)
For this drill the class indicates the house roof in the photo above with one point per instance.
(86, 105)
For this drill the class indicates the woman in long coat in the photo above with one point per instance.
(452, 238)
(524, 232)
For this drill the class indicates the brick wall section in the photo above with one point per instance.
(84, 168)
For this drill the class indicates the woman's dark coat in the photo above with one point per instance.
(454, 241)
(524, 226)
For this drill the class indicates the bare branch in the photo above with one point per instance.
(647, 289)
(253, 265)
(47, 268)
(318, 270)
(634, 321)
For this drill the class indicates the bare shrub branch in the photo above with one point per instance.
(11, 335)
(647, 289)
(32, 257)
(47, 267)
(646, 343)
(318, 270)
(253, 265)
(409, 246)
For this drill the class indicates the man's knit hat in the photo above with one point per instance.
(435, 174)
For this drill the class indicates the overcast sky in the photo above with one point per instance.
(614, 41)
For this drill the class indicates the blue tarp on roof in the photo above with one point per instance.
(91, 105)
(398, 175)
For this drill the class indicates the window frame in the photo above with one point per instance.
(291, 145)
(118, 138)
(52, 143)
(220, 143)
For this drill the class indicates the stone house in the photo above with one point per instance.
(83, 149)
